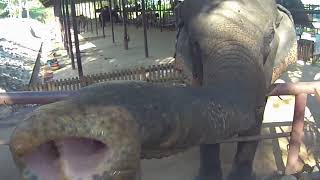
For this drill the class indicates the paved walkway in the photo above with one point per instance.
(101, 55)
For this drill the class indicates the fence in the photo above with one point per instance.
(300, 90)
(305, 49)
(155, 73)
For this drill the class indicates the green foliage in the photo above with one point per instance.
(38, 14)
(41, 14)
(4, 12)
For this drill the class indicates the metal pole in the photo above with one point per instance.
(65, 39)
(296, 134)
(145, 29)
(82, 13)
(317, 95)
(69, 35)
(29, 97)
(125, 31)
(76, 39)
(136, 9)
(102, 19)
(160, 15)
(101, 6)
(90, 11)
(146, 10)
(111, 20)
(77, 9)
(120, 7)
(256, 138)
(95, 16)
(86, 15)
(279, 89)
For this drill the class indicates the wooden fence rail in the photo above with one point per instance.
(155, 73)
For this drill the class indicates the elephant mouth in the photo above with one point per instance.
(69, 158)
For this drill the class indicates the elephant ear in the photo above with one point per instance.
(179, 22)
(274, 42)
(187, 50)
(269, 49)
(284, 10)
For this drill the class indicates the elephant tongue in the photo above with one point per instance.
(69, 158)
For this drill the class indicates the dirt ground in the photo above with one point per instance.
(100, 55)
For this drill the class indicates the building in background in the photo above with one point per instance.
(306, 15)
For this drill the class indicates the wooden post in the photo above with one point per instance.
(111, 20)
(125, 31)
(69, 34)
(95, 16)
(145, 29)
(76, 39)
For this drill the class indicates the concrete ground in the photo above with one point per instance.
(100, 55)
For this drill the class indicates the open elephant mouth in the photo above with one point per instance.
(67, 158)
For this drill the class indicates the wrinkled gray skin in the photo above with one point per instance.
(230, 48)
(240, 46)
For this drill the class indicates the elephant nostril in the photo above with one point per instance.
(79, 158)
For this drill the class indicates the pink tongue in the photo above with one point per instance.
(75, 158)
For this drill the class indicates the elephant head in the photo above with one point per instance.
(241, 47)
(228, 47)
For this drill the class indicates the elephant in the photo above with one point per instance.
(230, 52)
(215, 41)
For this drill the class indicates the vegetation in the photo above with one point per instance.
(41, 14)
(35, 9)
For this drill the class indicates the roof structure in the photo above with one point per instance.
(300, 14)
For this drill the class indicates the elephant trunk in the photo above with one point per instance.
(104, 131)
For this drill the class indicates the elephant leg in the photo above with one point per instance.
(242, 167)
(210, 167)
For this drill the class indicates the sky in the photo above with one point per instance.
(315, 2)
